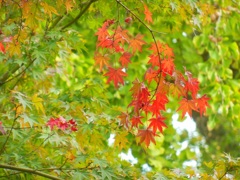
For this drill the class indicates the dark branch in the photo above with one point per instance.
(28, 170)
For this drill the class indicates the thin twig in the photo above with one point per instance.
(19, 128)
(154, 39)
(3, 146)
(58, 19)
(30, 63)
(40, 144)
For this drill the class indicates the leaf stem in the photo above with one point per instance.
(154, 39)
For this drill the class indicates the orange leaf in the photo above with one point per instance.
(154, 60)
(187, 106)
(168, 52)
(120, 36)
(148, 14)
(69, 5)
(115, 75)
(168, 66)
(101, 60)
(136, 43)
(154, 47)
(125, 59)
(124, 119)
(137, 87)
(151, 75)
(146, 136)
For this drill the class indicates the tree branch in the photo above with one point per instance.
(79, 15)
(7, 74)
(28, 170)
(5, 77)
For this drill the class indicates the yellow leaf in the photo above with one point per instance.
(209, 164)
(14, 49)
(23, 35)
(121, 140)
(23, 124)
(189, 171)
(19, 109)
(48, 9)
(70, 155)
(30, 14)
(37, 102)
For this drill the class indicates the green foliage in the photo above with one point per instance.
(48, 70)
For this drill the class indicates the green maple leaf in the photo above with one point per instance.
(107, 173)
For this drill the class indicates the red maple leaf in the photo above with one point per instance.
(101, 60)
(192, 85)
(157, 123)
(136, 43)
(159, 104)
(102, 33)
(140, 100)
(137, 105)
(136, 120)
(144, 94)
(2, 49)
(125, 59)
(106, 43)
(202, 104)
(51, 123)
(62, 123)
(187, 106)
(115, 75)
(147, 136)
(148, 14)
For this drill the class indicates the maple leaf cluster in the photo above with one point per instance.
(62, 124)
(112, 41)
(162, 73)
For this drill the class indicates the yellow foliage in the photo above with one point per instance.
(14, 48)
(23, 124)
(48, 9)
(121, 140)
(19, 110)
(37, 102)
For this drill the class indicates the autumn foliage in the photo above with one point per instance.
(147, 106)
